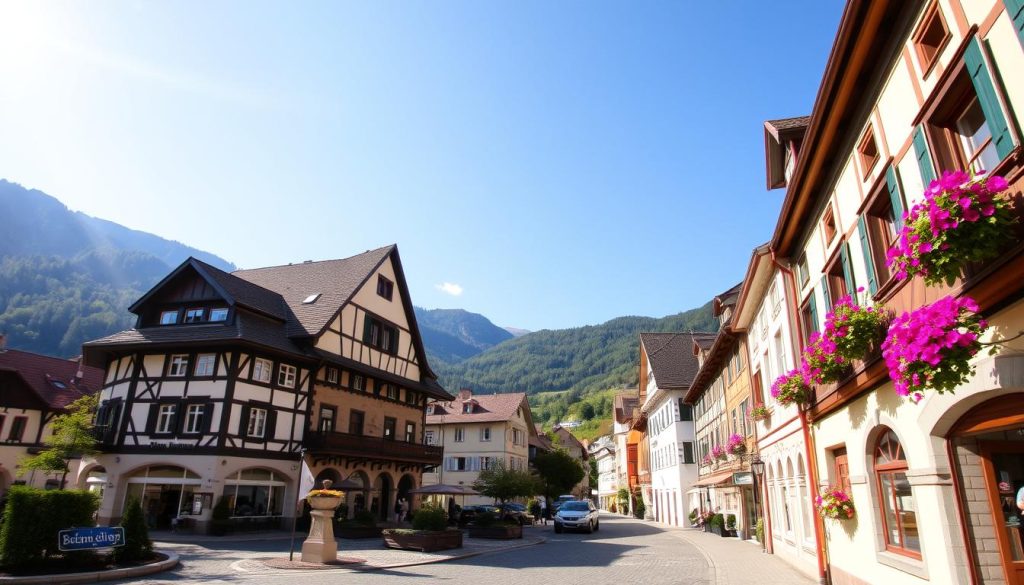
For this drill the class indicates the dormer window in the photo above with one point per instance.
(220, 314)
(467, 408)
(168, 317)
(194, 315)
(385, 288)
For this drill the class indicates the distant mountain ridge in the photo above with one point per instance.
(453, 335)
(66, 277)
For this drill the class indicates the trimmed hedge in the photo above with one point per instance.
(32, 519)
(430, 517)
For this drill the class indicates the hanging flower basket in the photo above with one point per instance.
(931, 346)
(854, 330)
(718, 452)
(821, 362)
(759, 413)
(961, 220)
(835, 504)
(708, 461)
(736, 445)
(792, 388)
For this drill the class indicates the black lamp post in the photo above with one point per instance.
(757, 468)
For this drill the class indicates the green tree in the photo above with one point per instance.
(587, 411)
(503, 484)
(559, 472)
(72, 437)
(137, 545)
(593, 475)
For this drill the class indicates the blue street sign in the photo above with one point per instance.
(90, 538)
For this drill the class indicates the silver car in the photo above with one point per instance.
(577, 515)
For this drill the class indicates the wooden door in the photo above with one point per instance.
(1003, 463)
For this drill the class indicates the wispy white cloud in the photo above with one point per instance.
(449, 288)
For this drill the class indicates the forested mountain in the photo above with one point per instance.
(66, 277)
(577, 362)
(453, 335)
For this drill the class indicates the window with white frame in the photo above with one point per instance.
(485, 434)
(179, 366)
(257, 422)
(286, 376)
(205, 363)
(460, 434)
(165, 418)
(261, 370)
(194, 418)
(332, 375)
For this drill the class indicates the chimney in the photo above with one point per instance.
(79, 374)
(465, 394)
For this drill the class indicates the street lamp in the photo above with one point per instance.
(757, 468)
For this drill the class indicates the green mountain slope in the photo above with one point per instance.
(453, 335)
(577, 362)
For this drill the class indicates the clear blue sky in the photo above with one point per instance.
(562, 163)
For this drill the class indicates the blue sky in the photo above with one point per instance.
(555, 163)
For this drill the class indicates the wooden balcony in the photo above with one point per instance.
(361, 447)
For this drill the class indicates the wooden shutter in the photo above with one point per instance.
(243, 421)
(826, 297)
(865, 247)
(1015, 9)
(151, 420)
(178, 424)
(977, 68)
(892, 183)
(924, 157)
(844, 254)
(367, 326)
(270, 428)
(208, 417)
(812, 305)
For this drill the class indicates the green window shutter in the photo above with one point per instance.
(1015, 8)
(865, 247)
(851, 286)
(367, 324)
(924, 158)
(892, 183)
(825, 295)
(987, 97)
(813, 306)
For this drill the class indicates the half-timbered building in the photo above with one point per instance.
(229, 380)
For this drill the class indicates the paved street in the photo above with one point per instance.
(623, 551)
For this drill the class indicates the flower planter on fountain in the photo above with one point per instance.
(319, 546)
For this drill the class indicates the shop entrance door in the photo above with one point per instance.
(1004, 473)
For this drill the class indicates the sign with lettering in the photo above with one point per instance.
(90, 538)
(743, 478)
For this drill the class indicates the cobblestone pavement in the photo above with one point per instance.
(623, 551)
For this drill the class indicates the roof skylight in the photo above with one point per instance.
(311, 299)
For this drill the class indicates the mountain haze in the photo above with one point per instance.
(453, 335)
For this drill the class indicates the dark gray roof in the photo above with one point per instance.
(335, 280)
(248, 327)
(784, 124)
(246, 293)
(671, 356)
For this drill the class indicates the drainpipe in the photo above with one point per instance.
(812, 469)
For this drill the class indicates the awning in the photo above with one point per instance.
(716, 478)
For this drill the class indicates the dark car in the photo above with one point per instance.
(469, 513)
(518, 513)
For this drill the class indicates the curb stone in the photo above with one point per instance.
(95, 576)
(478, 553)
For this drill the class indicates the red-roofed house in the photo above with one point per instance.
(476, 431)
(33, 389)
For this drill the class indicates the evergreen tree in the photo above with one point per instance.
(137, 545)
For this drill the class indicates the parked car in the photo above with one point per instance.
(577, 515)
(517, 512)
(561, 500)
(469, 513)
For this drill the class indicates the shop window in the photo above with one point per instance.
(896, 498)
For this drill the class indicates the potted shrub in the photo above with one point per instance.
(220, 523)
(791, 388)
(730, 525)
(429, 532)
(961, 220)
(362, 525)
(932, 346)
(835, 504)
(487, 525)
(718, 524)
(706, 520)
(694, 514)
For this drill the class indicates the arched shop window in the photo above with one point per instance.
(896, 498)
(255, 492)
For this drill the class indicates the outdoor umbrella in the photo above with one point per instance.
(441, 489)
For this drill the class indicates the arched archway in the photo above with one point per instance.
(358, 499)
(383, 497)
(326, 473)
(405, 484)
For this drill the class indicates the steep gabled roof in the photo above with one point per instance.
(624, 406)
(671, 357)
(53, 380)
(334, 280)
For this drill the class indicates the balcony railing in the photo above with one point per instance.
(361, 446)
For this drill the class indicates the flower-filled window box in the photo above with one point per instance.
(760, 413)
(931, 346)
(718, 453)
(855, 331)
(736, 445)
(792, 387)
(961, 220)
(821, 362)
(835, 504)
